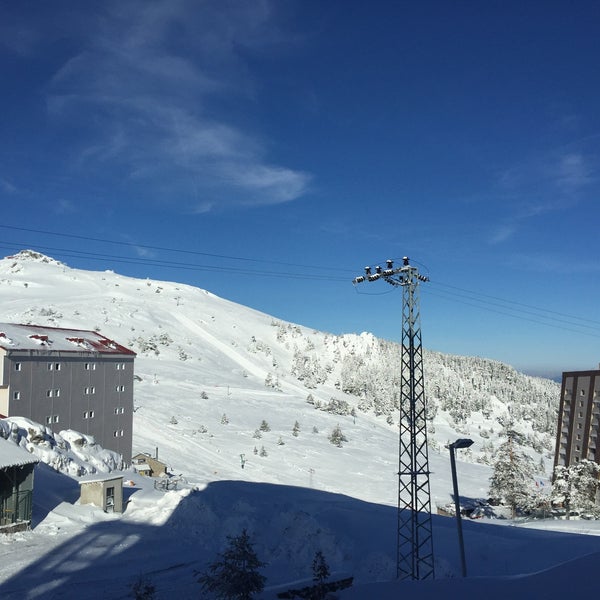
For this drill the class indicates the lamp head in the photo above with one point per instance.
(461, 443)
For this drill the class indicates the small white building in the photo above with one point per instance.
(104, 490)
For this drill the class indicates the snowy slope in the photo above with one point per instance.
(208, 373)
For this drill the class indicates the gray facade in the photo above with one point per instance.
(578, 418)
(68, 379)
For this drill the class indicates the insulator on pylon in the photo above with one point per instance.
(367, 270)
(390, 263)
(358, 279)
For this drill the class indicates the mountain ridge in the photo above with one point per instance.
(192, 343)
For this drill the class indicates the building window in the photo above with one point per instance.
(18, 366)
(90, 390)
(52, 419)
(88, 414)
(120, 366)
(119, 410)
(53, 366)
(118, 433)
(582, 392)
(16, 395)
(120, 388)
(90, 366)
(53, 393)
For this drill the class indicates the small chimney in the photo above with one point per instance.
(156, 453)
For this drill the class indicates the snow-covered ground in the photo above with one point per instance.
(208, 373)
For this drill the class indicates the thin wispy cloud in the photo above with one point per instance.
(7, 187)
(145, 93)
(552, 182)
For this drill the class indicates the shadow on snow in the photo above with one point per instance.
(287, 526)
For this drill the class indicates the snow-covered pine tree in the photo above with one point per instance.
(337, 437)
(511, 482)
(575, 487)
(235, 574)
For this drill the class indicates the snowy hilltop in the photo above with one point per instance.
(289, 432)
(192, 344)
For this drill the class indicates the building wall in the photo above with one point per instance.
(86, 391)
(579, 418)
(3, 383)
(94, 492)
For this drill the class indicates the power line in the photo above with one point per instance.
(520, 304)
(163, 248)
(516, 316)
(151, 262)
(485, 301)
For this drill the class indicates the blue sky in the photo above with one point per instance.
(268, 151)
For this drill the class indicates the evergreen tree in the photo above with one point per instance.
(296, 429)
(575, 487)
(321, 573)
(511, 482)
(143, 589)
(235, 574)
(337, 437)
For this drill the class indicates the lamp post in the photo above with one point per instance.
(460, 443)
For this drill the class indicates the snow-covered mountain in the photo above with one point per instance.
(235, 401)
(214, 361)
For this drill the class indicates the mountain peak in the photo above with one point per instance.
(33, 256)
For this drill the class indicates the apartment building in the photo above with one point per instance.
(68, 379)
(578, 418)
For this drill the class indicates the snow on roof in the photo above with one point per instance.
(36, 337)
(12, 455)
(99, 477)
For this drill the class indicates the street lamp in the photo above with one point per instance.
(460, 443)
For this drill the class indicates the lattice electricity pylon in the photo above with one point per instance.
(415, 538)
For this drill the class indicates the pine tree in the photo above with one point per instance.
(235, 574)
(296, 429)
(143, 589)
(321, 573)
(575, 487)
(511, 482)
(337, 437)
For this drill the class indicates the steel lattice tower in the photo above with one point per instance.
(415, 538)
